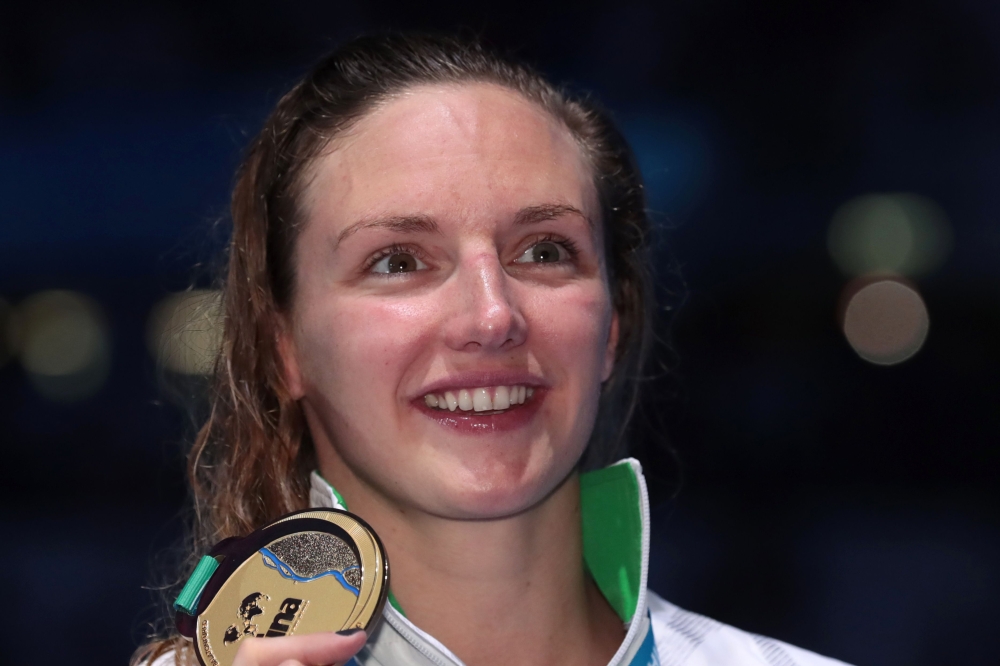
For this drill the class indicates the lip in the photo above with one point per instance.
(482, 378)
(474, 423)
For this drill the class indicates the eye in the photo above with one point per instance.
(398, 262)
(544, 252)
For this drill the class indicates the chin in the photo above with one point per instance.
(499, 490)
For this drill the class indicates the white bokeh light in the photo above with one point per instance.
(64, 344)
(897, 234)
(184, 331)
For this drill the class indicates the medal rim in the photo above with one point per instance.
(236, 551)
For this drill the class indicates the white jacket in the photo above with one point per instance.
(615, 516)
(615, 509)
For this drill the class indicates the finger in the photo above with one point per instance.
(308, 650)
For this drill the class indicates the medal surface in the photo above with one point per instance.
(311, 571)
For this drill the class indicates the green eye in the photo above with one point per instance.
(398, 262)
(545, 252)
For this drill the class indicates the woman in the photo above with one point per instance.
(437, 303)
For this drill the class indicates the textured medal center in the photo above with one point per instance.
(312, 554)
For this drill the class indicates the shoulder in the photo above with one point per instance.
(688, 639)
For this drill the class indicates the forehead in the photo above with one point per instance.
(475, 147)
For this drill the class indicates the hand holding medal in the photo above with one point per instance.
(296, 580)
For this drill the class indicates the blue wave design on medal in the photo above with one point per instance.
(272, 561)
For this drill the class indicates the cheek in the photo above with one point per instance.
(572, 325)
(357, 349)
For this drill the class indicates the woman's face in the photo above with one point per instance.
(450, 265)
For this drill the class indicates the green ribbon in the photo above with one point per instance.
(187, 600)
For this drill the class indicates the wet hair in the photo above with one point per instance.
(251, 459)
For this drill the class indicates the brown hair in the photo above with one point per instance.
(251, 460)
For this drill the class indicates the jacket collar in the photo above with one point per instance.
(615, 516)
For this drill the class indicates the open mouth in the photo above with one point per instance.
(484, 400)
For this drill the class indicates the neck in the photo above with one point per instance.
(508, 590)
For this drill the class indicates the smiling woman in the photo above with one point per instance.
(459, 188)
(437, 303)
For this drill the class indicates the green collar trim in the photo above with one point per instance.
(611, 502)
(338, 500)
(611, 508)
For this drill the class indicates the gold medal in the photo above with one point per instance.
(311, 571)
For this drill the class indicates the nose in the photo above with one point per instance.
(486, 314)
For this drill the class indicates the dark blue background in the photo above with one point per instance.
(846, 507)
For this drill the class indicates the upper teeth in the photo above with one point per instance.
(483, 399)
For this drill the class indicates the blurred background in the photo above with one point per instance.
(824, 176)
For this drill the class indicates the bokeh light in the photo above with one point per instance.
(885, 321)
(184, 332)
(63, 342)
(901, 234)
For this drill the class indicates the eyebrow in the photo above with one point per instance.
(423, 223)
(401, 223)
(544, 212)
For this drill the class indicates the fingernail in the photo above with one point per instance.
(349, 632)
